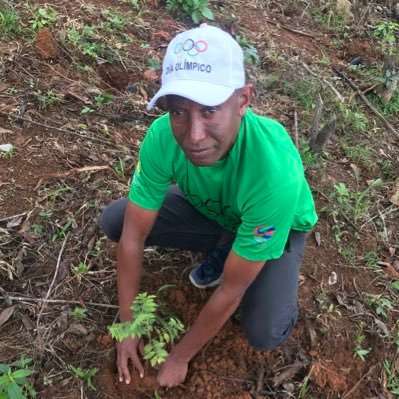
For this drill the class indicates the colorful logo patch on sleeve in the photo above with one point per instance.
(263, 233)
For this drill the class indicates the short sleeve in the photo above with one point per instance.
(266, 223)
(151, 178)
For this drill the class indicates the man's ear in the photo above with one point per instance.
(244, 98)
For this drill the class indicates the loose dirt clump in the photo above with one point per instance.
(46, 45)
(325, 375)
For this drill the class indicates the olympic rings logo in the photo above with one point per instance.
(190, 47)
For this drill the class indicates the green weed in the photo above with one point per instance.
(80, 270)
(104, 98)
(387, 32)
(9, 24)
(154, 63)
(354, 204)
(354, 119)
(380, 304)
(119, 167)
(359, 154)
(370, 259)
(61, 233)
(309, 158)
(79, 313)
(251, 55)
(46, 99)
(43, 17)
(84, 375)
(359, 351)
(159, 331)
(392, 376)
(8, 152)
(195, 8)
(13, 380)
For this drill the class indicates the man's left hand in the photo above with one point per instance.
(172, 372)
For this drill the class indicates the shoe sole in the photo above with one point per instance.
(212, 284)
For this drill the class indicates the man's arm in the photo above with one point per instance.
(137, 224)
(238, 275)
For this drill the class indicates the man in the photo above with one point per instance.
(241, 196)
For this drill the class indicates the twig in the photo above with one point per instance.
(13, 216)
(95, 168)
(336, 92)
(52, 283)
(298, 32)
(358, 383)
(58, 129)
(369, 105)
(57, 301)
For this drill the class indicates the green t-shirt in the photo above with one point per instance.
(258, 191)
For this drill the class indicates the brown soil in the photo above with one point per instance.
(52, 195)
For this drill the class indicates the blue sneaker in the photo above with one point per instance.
(209, 273)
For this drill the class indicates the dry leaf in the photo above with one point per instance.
(6, 314)
(28, 323)
(390, 271)
(77, 329)
(63, 271)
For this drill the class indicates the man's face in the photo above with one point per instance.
(205, 133)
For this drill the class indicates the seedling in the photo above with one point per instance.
(154, 63)
(9, 23)
(195, 8)
(380, 304)
(119, 167)
(60, 234)
(84, 375)
(80, 270)
(13, 380)
(158, 331)
(359, 351)
(104, 98)
(79, 314)
(7, 151)
(393, 379)
(387, 32)
(251, 55)
(46, 99)
(354, 204)
(43, 17)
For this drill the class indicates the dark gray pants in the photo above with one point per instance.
(269, 308)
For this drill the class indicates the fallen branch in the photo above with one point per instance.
(95, 168)
(298, 32)
(14, 216)
(367, 102)
(52, 283)
(57, 301)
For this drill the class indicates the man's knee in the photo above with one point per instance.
(111, 219)
(268, 333)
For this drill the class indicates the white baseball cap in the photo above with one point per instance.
(204, 64)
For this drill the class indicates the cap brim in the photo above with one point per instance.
(204, 93)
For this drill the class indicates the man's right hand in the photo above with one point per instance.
(128, 349)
